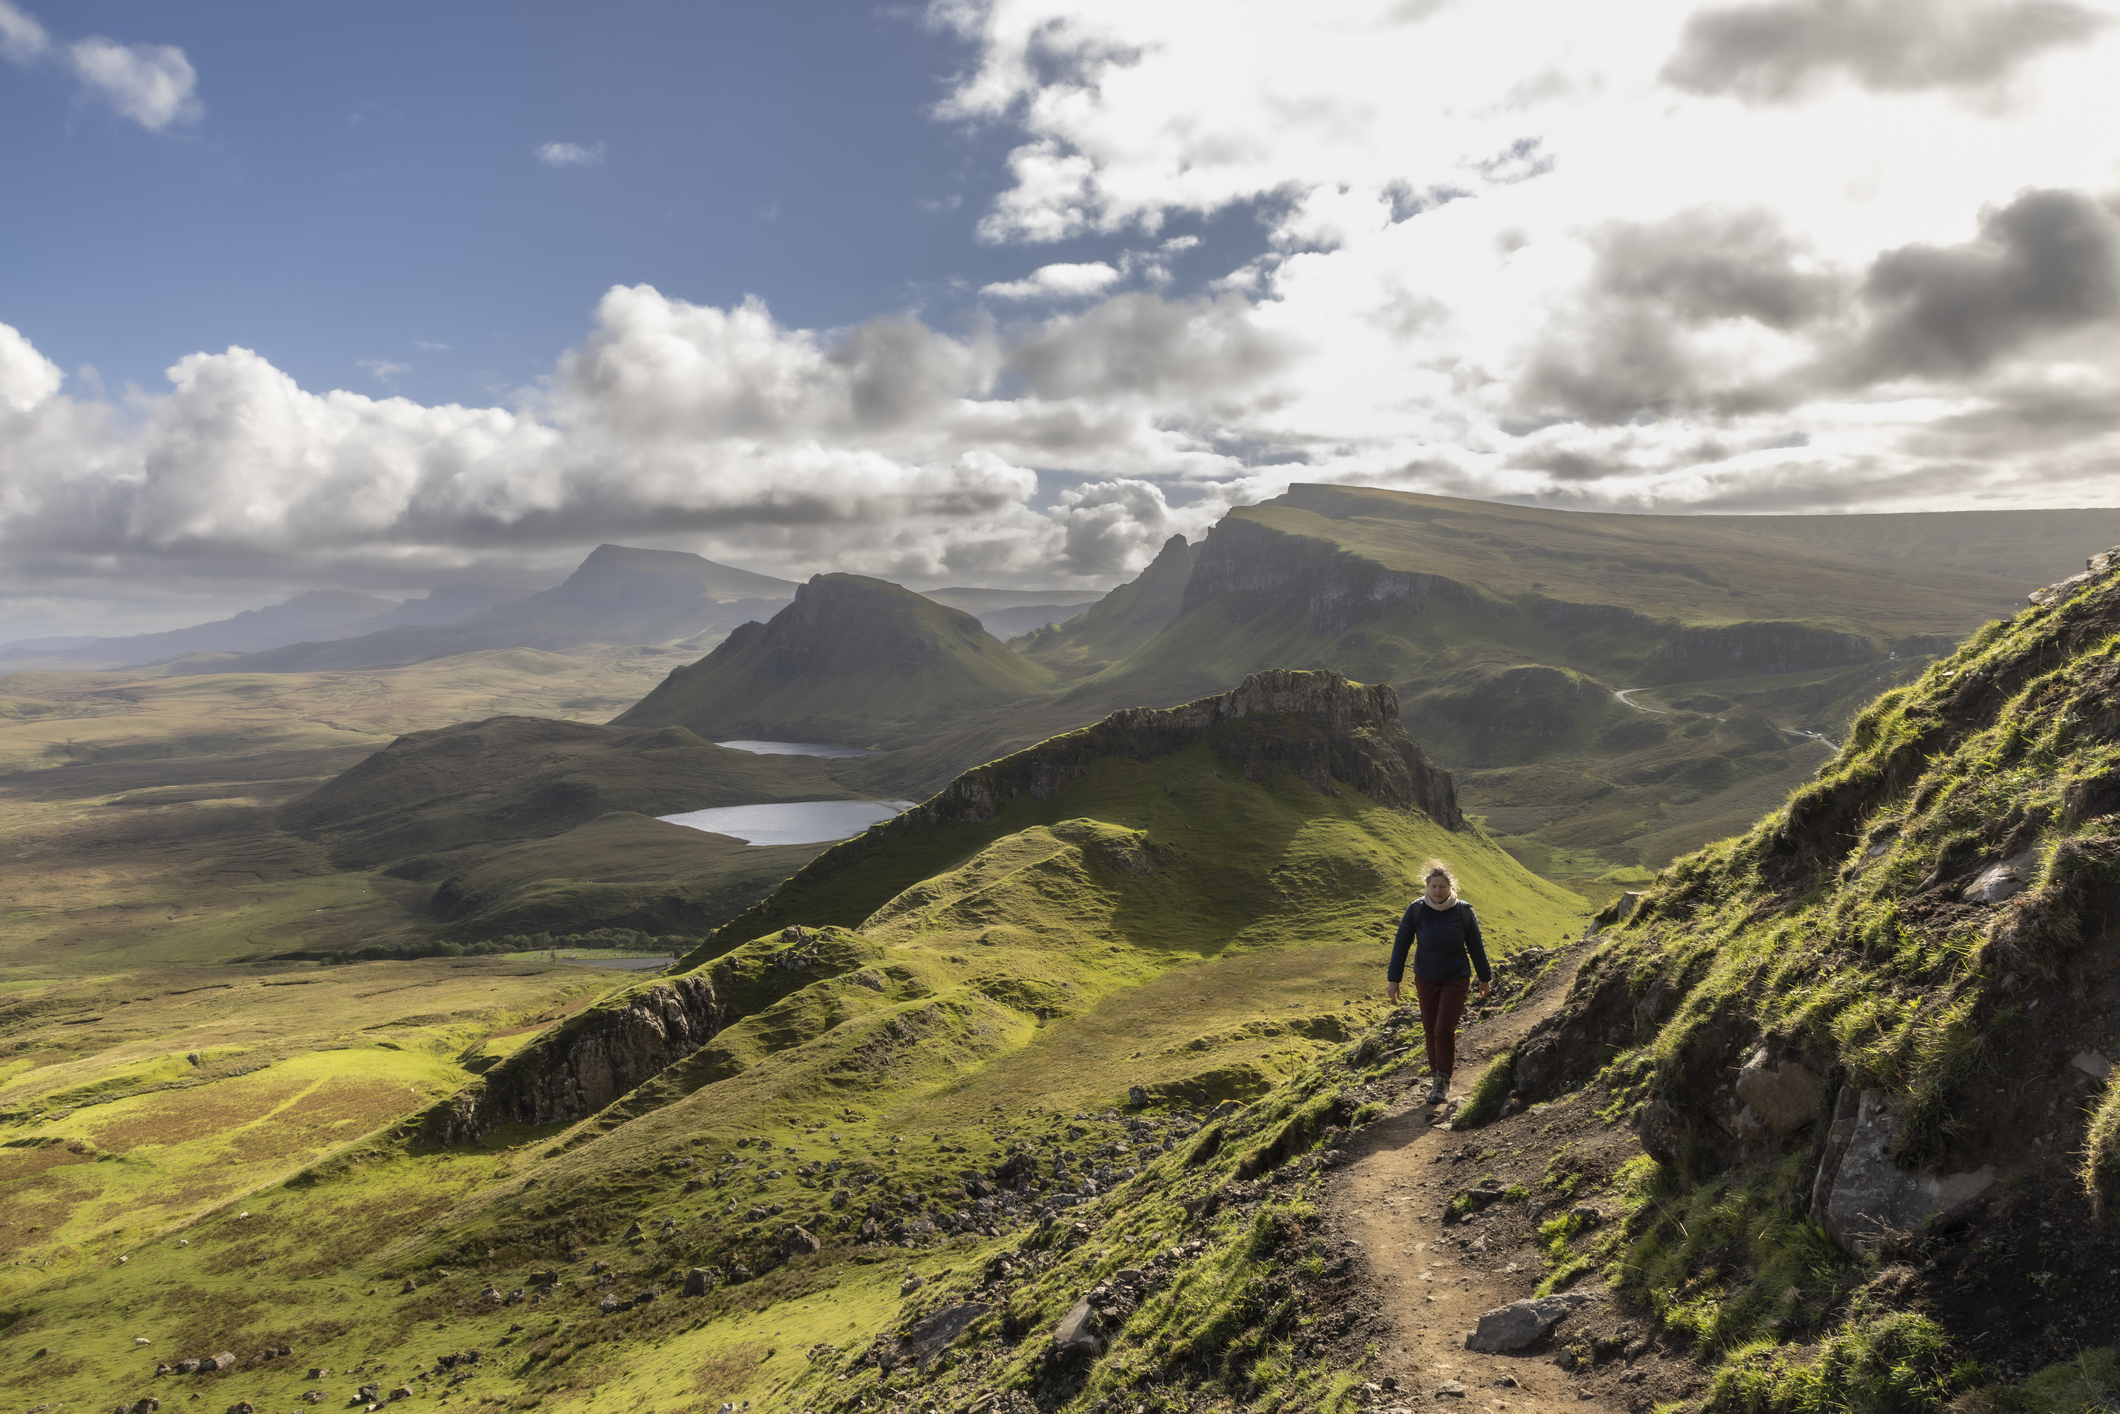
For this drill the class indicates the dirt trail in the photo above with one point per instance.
(1428, 1293)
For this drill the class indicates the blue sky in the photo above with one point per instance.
(1010, 291)
(362, 186)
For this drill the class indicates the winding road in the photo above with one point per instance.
(1625, 696)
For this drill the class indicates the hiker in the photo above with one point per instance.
(1442, 930)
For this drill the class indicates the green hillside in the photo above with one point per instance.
(853, 660)
(1190, 904)
(1867, 1045)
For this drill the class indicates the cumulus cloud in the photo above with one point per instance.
(1775, 51)
(2047, 262)
(568, 154)
(152, 84)
(883, 448)
(1055, 282)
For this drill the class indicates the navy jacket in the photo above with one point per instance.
(1441, 939)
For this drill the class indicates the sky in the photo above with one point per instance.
(394, 296)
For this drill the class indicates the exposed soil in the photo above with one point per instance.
(1414, 1282)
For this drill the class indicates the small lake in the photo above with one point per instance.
(794, 748)
(802, 822)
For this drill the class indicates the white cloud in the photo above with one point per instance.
(429, 346)
(22, 39)
(383, 369)
(1055, 282)
(569, 154)
(1594, 256)
(152, 84)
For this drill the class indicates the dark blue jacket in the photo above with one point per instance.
(1441, 938)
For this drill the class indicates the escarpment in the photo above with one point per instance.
(587, 1062)
(1910, 973)
(1247, 572)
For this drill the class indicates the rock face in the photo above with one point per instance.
(587, 1063)
(1860, 1194)
(1319, 725)
(1522, 1323)
(1248, 570)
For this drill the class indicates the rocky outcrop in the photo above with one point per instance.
(1318, 724)
(2099, 564)
(1248, 570)
(587, 1063)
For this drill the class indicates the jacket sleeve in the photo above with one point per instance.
(1398, 948)
(1476, 945)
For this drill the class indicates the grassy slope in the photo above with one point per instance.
(1839, 930)
(133, 1103)
(1152, 924)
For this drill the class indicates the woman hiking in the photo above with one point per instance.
(1445, 937)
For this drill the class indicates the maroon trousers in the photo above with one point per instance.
(1442, 1008)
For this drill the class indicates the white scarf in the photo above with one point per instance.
(1451, 902)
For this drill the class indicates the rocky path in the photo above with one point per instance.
(1427, 1283)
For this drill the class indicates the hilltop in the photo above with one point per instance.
(852, 660)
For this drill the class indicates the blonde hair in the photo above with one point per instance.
(1436, 866)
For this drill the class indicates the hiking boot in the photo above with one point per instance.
(1438, 1089)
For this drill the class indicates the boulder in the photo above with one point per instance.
(1779, 1097)
(701, 1280)
(935, 1332)
(1136, 1096)
(1523, 1323)
(401, 1392)
(800, 1242)
(2094, 1064)
(2005, 880)
(1861, 1194)
(226, 1360)
(1077, 1331)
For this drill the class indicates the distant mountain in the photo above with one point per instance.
(319, 613)
(452, 603)
(1005, 613)
(619, 595)
(852, 660)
